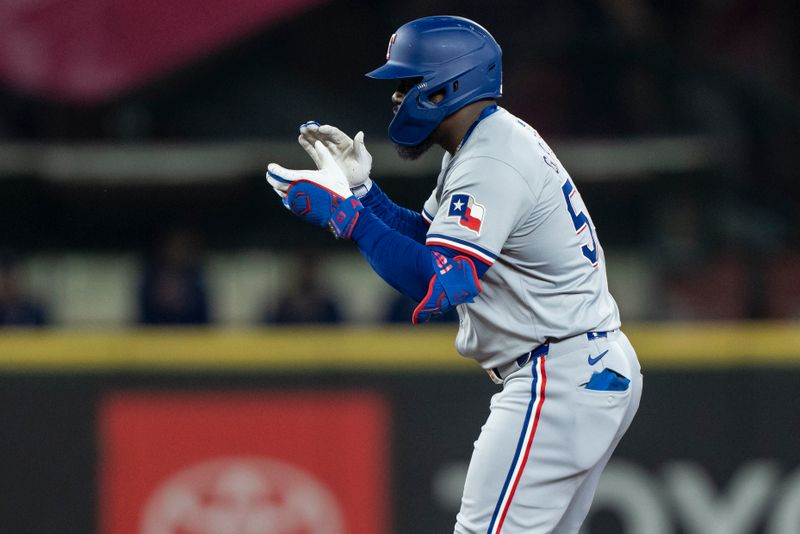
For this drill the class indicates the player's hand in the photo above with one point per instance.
(320, 197)
(328, 174)
(350, 154)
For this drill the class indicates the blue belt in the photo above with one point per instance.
(499, 374)
(596, 335)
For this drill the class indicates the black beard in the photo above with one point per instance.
(411, 153)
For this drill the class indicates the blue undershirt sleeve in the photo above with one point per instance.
(402, 262)
(405, 221)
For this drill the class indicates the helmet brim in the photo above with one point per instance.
(394, 71)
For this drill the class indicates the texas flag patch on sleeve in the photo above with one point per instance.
(470, 214)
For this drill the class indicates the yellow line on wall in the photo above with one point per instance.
(285, 349)
(716, 344)
(426, 348)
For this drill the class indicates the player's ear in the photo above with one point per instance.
(438, 96)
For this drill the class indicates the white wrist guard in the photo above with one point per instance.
(361, 190)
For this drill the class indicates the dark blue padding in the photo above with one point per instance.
(455, 282)
(608, 380)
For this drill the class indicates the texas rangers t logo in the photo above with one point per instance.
(470, 214)
(389, 48)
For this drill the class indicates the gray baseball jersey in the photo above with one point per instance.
(505, 200)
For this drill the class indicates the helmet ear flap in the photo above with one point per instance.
(416, 118)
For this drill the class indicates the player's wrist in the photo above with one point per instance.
(361, 190)
(345, 217)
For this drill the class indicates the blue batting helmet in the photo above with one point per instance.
(451, 54)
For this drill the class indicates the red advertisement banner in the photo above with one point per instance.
(244, 463)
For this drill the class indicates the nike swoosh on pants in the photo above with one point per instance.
(593, 361)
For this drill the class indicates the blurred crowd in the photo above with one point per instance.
(17, 306)
(173, 289)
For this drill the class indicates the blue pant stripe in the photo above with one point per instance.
(520, 444)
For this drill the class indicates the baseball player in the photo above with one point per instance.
(506, 239)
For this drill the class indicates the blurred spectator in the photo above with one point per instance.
(782, 286)
(303, 301)
(16, 308)
(401, 309)
(173, 288)
(718, 289)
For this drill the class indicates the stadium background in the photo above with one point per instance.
(168, 326)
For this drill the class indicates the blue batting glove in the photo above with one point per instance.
(322, 207)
